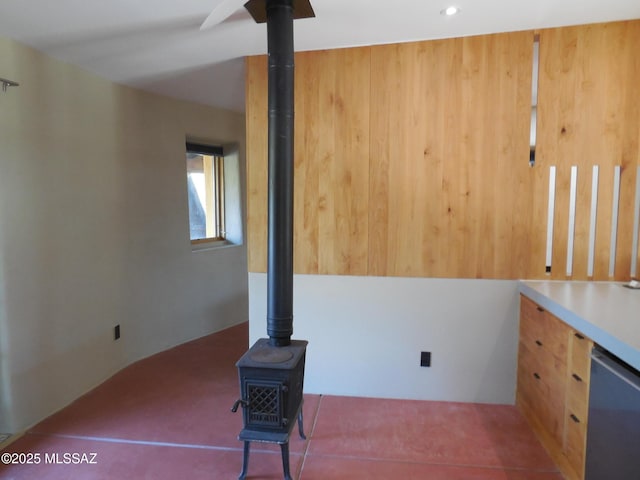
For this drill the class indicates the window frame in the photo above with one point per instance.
(214, 184)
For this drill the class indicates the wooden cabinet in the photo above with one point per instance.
(553, 385)
(542, 372)
(577, 402)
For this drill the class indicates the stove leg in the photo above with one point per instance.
(300, 426)
(245, 461)
(285, 460)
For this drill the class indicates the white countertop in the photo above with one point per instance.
(606, 312)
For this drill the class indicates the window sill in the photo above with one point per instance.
(204, 245)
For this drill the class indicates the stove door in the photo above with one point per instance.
(264, 404)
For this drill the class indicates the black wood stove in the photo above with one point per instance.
(271, 383)
(272, 371)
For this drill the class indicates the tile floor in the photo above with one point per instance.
(168, 417)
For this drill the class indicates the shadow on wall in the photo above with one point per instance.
(5, 385)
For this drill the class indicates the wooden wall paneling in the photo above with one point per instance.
(450, 119)
(501, 101)
(537, 229)
(313, 141)
(623, 77)
(349, 182)
(561, 223)
(476, 96)
(332, 161)
(588, 115)
(556, 58)
(603, 228)
(408, 161)
(582, 222)
(450, 221)
(435, 187)
(256, 158)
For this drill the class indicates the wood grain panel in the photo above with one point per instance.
(449, 167)
(256, 157)
(588, 114)
(577, 411)
(411, 159)
(332, 161)
(331, 182)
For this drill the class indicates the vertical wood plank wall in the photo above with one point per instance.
(588, 114)
(256, 115)
(450, 136)
(412, 159)
(331, 187)
(332, 162)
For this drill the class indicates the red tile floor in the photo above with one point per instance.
(168, 417)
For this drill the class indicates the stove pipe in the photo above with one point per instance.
(280, 219)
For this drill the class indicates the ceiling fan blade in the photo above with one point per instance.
(221, 12)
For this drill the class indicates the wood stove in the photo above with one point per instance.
(271, 372)
(271, 384)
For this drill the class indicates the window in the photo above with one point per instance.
(205, 185)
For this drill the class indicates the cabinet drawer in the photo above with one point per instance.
(581, 355)
(537, 364)
(578, 398)
(530, 309)
(541, 385)
(547, 412)
(540, 330)
(575, 443)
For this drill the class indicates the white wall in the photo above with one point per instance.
(94, 232)
(366, 333)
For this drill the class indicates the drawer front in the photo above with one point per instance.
(541, 385)
(530, 309)
(581, 355)
(578, 397)
(531, 319)
(547, 369)
(579, 376)
(540, 330)
(548, 415)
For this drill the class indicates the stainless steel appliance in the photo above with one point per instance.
(613, 432)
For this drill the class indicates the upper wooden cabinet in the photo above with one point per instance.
(412, 159)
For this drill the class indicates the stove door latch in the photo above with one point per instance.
(239, 402)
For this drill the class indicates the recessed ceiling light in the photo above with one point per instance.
(450, 11)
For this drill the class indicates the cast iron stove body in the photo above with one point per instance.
(271, 383)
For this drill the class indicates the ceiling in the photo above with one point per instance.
(157, 45)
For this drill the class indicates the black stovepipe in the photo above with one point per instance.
(280, 210)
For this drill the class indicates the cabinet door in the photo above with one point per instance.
(574, 448)
(576, 418)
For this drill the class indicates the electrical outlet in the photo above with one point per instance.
(116, 332)
(425, 359)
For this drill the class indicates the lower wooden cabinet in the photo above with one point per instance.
(577, 403)
(553, 385)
